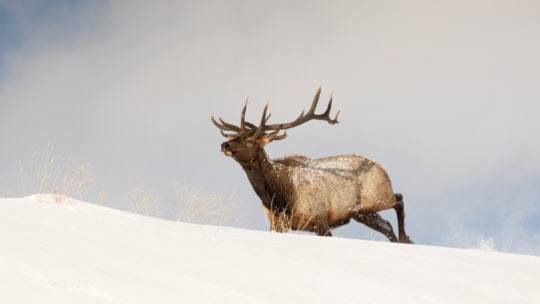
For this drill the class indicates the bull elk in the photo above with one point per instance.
(314, 195)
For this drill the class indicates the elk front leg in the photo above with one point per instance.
(322, 230)
(321, 227)
(376, 222)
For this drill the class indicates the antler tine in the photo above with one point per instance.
(214, 121)
(335, 121)
(243, 122)
(264, 119)
(267, 118)
(243, 117)
(229, 136)
(327, 112)
(279, 137)
(230, 126)
(315, 101)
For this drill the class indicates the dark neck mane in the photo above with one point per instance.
(272, 189)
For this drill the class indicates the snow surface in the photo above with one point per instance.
(77, 252)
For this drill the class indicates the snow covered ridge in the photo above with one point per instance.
(77, 252)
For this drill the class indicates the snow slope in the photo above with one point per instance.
(77, 252)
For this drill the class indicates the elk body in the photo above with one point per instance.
(312, 194)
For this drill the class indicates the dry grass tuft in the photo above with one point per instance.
(284, 221)
(145, 202)
(101, 197)
(205, 208)
(51, 175)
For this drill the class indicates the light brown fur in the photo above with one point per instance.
(333, 189)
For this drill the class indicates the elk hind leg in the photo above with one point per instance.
(374, 221)
(400, 211)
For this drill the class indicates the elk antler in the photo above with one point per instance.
(310, 115)
(246, 126)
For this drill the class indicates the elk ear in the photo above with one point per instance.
(265, 140)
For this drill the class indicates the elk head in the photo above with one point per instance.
(248, 140)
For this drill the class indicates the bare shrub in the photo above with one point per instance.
(51, 175)
(84, 183)
(101, 197)
(205, 208)
(145, 202)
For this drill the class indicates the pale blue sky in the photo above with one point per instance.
(445, 96)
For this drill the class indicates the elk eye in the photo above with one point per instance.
(250, 141)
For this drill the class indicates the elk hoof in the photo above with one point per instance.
(405, 240)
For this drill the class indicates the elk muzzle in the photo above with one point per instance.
(225, 149)
(224, 146)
